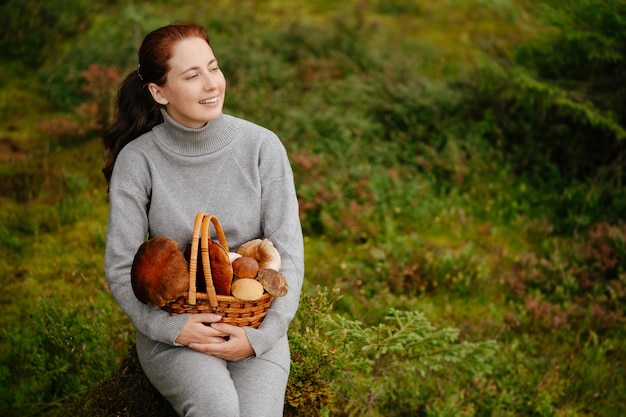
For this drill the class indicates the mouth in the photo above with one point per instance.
(209, 100)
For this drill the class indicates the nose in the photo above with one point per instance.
(210, 83)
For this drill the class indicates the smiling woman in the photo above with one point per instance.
(172, 153)
(195, 87)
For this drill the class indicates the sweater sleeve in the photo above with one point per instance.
(281, 224)
(129, 196)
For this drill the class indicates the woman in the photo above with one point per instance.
(172, 153)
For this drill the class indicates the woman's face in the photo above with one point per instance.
(194, 90)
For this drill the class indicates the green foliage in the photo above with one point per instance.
(314, 356)
(587, 54)
(64, 348)
(31, 29)
(106, 40)
(396, 367)
(555, 109)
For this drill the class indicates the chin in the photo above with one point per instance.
(214, 114)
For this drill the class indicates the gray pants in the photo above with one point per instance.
(197, 384)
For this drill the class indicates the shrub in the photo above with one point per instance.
(33, 30)
(397, 367)
(68, 347)
(579, 287)
(404, 364)
(93, 114)
(555, 111)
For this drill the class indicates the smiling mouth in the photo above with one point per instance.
(209, 101)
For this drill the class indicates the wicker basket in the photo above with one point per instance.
(232, 309)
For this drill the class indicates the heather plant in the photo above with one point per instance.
(95, 112)
(579, 287)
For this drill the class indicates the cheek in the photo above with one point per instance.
(183, 94)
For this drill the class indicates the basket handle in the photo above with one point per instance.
(202, 233)
(193, 257)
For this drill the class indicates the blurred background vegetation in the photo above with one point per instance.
(459, 166)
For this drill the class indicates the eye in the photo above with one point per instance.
(192, 76)
(215, 69)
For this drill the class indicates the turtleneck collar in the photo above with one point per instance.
(186, 141)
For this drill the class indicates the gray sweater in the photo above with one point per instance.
(231, 168)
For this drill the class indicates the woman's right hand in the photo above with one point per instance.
(198, 330)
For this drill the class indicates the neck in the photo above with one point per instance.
(183, 140)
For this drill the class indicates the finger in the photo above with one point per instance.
(209, 346)
(225, 351)
(205, 318)
(219, 350)
(211, 331)
(228, 329)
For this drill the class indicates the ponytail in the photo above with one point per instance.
(137, 114)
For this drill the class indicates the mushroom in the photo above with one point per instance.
(221, 268)
(232, 256)
(247, 289)
(273, 282)
(245, 267)
(250, 248)
(263, 251)
(159, 273)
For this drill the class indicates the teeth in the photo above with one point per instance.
(210, 100)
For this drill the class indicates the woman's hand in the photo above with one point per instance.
(198, 330)
(235, 348)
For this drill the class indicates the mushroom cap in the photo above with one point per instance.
(159, 273)
(263, 251)
(270, 257)
(250, 248)
(245, 267)
(247, 289)
(273, 282)
(232, 256)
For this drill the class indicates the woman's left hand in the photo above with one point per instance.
(235, 348)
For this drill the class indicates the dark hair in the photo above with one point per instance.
(137, 112)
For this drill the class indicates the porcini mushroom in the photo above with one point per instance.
(245, 267)
(159, 273)
(247, 289)
(273, 282)
(263, 251)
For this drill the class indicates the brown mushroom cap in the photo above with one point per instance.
(159, 273)
(273, 282)
(245, 267)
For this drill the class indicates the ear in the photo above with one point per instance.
(157, 94)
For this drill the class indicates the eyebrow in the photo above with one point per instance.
(195, 68)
